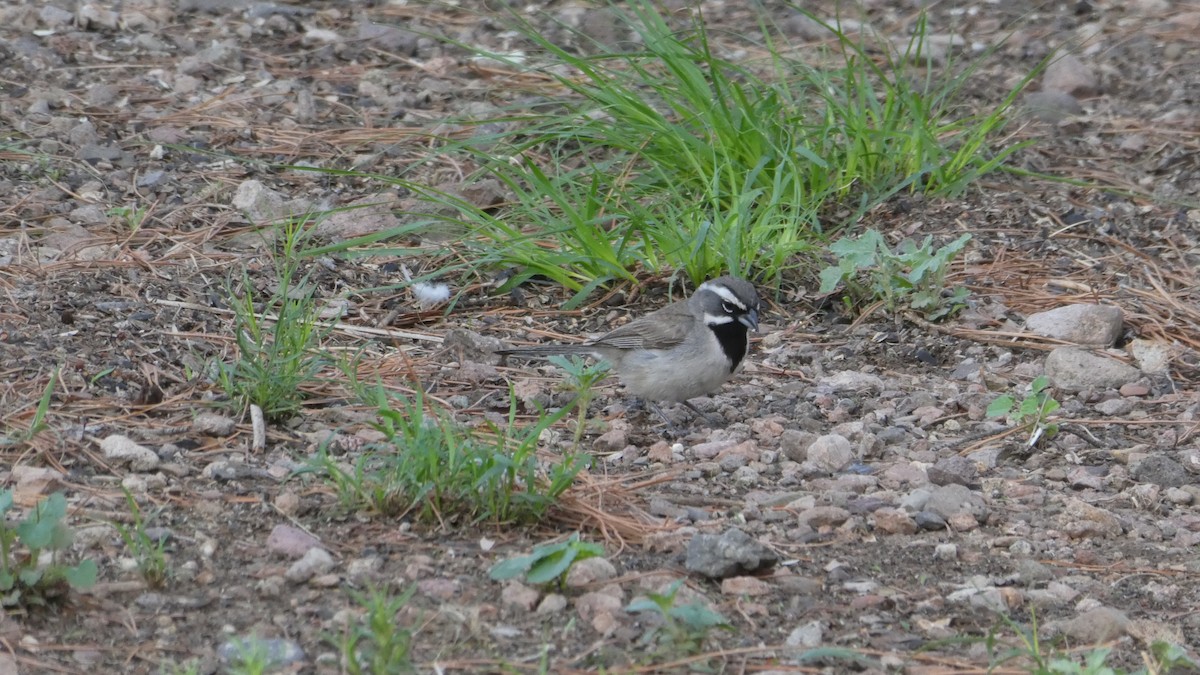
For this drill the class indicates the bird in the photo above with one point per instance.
(679, 352)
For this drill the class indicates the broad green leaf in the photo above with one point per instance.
(6, 501)
(511, 568)
(1000, 407)
(697, 616)
(81, 576)
(551, 567)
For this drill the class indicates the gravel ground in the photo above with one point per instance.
(856, 496)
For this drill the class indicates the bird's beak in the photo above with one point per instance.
(750, 320)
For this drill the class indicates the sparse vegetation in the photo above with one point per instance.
(1032, 412)
(432, 469)
(377, 645)
(548, 563)
(32, 566)
(277, 332)
(870, 271)
(146, 550)
(683, 627)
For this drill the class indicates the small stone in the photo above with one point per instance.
(894, 521)
(1179, 496)
(1080, 519)
(953, 470)
(590, 571)
(830, 453)
(962, 522)
(124, 450)
(519, 596)
(930, 521)
(1094, 626)
(316, 561)
(612, 440)
(794, 444)
(213, 424)
(750, 586)
(807, 636)
(1116, 407)
(1134, 389)
(1052, 107)
(553, 603)
(945, 552)
(950, 500)
(824, 516)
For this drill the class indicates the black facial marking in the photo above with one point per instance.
(734, 341)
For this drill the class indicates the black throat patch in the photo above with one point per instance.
(734, 339)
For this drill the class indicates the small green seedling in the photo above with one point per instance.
(581, 378)
(146, 550)
(1032, 412)
(548, 562)
(870, 270)
(25, 577)
(685, 626)
(378, 644)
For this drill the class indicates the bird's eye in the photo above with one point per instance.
(728, 308)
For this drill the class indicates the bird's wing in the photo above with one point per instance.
(663, 329)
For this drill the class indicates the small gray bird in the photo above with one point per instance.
(684, 350)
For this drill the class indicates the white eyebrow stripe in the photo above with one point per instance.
(716, 320)
(724, 293)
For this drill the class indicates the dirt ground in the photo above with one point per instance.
(176, 107)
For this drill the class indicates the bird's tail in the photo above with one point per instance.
(542, 351)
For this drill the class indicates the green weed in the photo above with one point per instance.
(870, 270)
(31, 569)
(1032, 412)
(548, 563)
(278, 337)
(146, 550)
(429, 467)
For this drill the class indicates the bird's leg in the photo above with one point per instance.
(672, 430)
(711, 421)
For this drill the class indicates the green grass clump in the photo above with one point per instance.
(675, 157)
(432, 469)
(278, 333)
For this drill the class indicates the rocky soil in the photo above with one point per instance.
(857, 496)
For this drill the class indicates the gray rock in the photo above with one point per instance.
(1160, 470)
(1052, 107)
(824, 516)
(732, 553)
(214, 424)
(1091, 325)
(928, 520)
(1114, 407)
(948, 501)
(1069, 75)
(1082, 520)
(794, 444)
(953, 470)
(316, 561)
(830, 453)
(1074, 369)
(1094, 626)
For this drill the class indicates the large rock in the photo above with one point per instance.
(1074, 369)
(1095, 325)
(733, 553)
